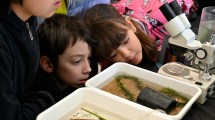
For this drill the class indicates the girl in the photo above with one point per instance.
(120, 39)
(19, 58)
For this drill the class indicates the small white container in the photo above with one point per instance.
(104, 77)
(64, 109)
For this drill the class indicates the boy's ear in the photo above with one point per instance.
(128, 20)
(46, 64)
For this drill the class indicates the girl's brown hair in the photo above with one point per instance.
(108, 35)
(109, 29)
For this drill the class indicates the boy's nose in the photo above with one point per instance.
(87, 68)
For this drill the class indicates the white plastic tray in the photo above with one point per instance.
(105, 76)
(113, 104)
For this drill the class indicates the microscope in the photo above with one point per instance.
(182, 36)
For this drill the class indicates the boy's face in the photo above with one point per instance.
(130, 51)
(74, 64)
(41, 8)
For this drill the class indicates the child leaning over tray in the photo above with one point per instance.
(118, 38)
(65, 55)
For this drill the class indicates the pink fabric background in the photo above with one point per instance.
(141, 11)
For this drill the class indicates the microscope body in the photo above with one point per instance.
(181, 35)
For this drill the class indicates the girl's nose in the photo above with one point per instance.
(124, 52)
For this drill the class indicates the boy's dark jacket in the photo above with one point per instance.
(19, 61)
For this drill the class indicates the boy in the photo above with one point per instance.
(65, 55)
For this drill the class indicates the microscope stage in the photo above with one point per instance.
(189, 75)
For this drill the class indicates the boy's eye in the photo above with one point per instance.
(89, 58)
(76, 61)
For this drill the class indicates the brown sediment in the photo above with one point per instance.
(113, 88)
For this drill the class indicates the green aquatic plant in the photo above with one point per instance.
(166, 90)
(126, 92)
(95, 114)
(174, 94)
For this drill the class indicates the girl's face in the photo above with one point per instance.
(130, 51)
(40, 8)
(74, 64)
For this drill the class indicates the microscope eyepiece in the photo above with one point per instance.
(167, 11)
(176, 7)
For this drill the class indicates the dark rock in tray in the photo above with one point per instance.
(155, 100)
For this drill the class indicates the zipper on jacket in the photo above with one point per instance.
(29, 31)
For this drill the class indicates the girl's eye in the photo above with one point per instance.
(125, 42)
(113, 55)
